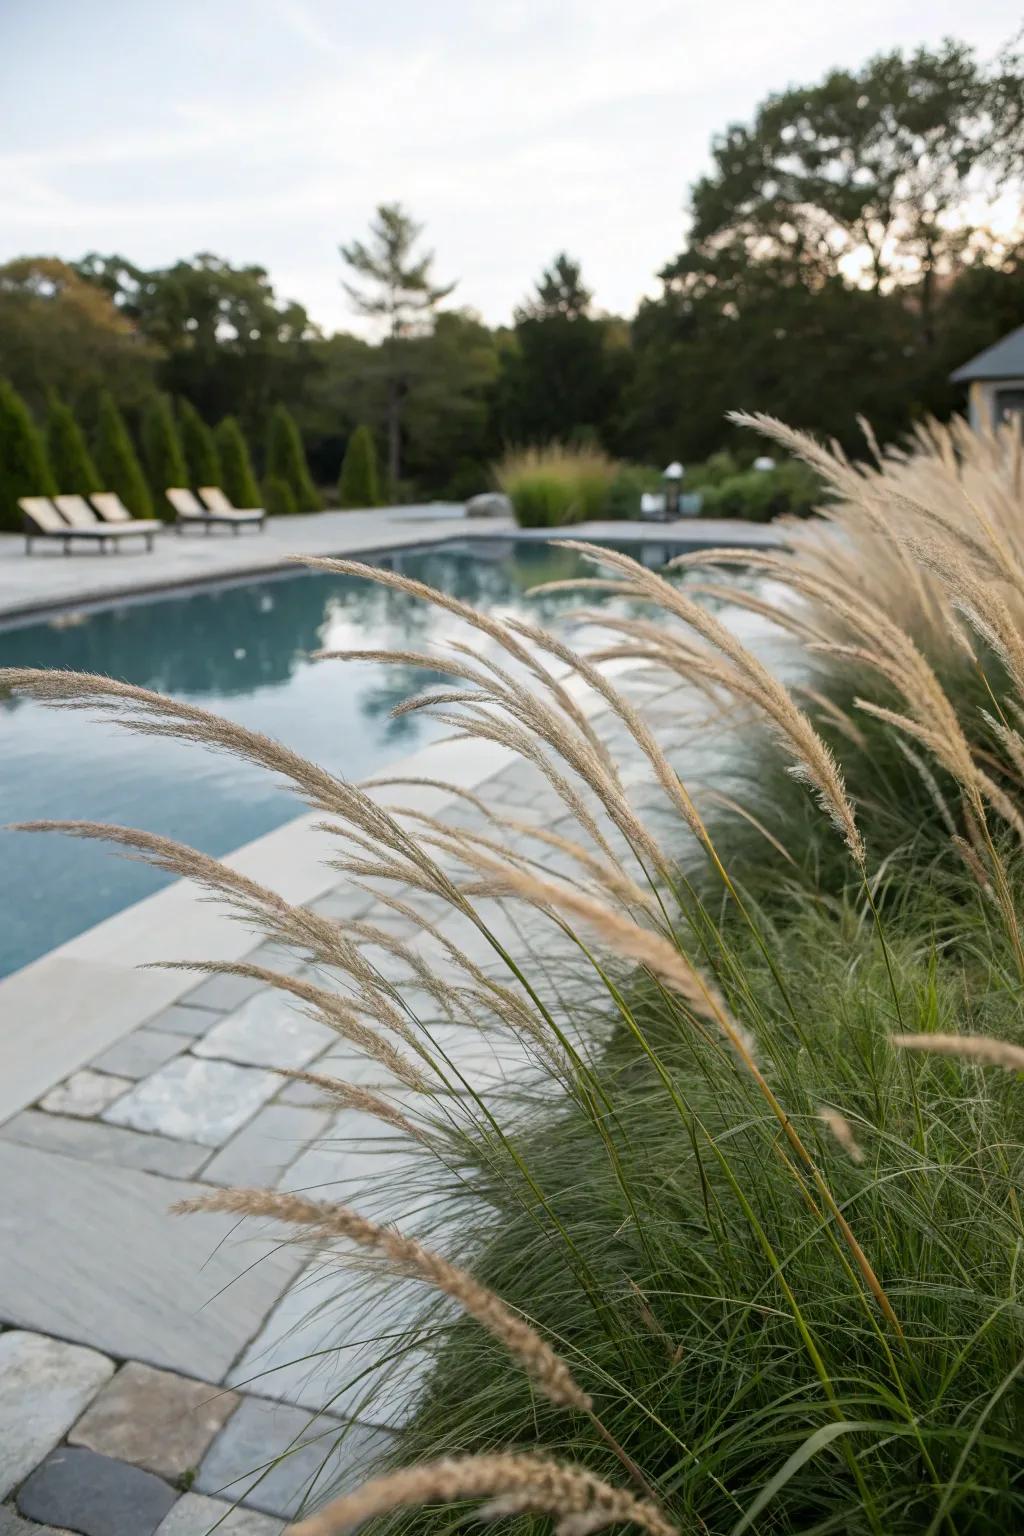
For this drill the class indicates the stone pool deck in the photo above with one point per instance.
(47, 579)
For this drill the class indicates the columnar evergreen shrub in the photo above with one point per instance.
(277, 497)
(358, 484)
(286, 460)
(70, 460)
(236, 474)
(24, 470)
(201, 458)
(117, 462)
(161, 451)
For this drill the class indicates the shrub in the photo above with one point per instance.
(161, 452)
(237, 479)
(198, 447)
(358, 484)
(277, 497)
(24, 470)
(70, 460)
(761, 494)
(117, 463)
(286, 460)
(552, 486)
(629, 484)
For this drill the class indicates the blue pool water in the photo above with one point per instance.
(243, 651)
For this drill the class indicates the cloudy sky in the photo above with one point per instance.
(267, 130)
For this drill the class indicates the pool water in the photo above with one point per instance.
(241, 650)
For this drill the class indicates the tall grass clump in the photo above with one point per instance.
(556, 485)
(717, 1224)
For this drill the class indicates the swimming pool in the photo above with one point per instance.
(241, 650)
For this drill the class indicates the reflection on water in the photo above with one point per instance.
(242, 651)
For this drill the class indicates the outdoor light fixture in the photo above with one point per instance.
(673, 478)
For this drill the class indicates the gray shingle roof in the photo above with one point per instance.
(1004, 360)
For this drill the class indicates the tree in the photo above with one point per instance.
(228, 343)
(161, 451)
(116, 460)
(198, 447)
(236, 474)
(69, 456)
(277, 497)
(866, 175)
(62, 334)
(358, 485)
(24, 470)
(286, 460)
(563, 371)
(403, 296)
(560, 293)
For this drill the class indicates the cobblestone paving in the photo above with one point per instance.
(119, 1414)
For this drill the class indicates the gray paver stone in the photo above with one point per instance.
(80, 1491)
(140, 1053)
(96, 1142)
(282, 1459)
(154, 1419)
(181, 1020)
(11, 1524)
(205, 1101)
(268, 1031)
(267, 1146)
(197, 1515)
(222, 992)
(44, 1386)
(84, 1093)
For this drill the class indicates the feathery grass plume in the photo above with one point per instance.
(994, 1053)
(812, 759)
(842, 1130)
(326, 1008)
(354, 1096)
(577, 1500)
(548, 1371)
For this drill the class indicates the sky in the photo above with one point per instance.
(267, 131)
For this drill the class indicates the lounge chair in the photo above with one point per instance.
(189, 512)
(117, 520)
(112, 509)
(42, 520)
(217, 504)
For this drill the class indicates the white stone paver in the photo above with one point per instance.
(44, 1386)
(267, 1031)
(85, 1093)
(204, 1101)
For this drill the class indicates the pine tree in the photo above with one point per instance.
(286, 460)
(24, 470)
(161, 452)
(358, 484)
(117, 462)
(236, 477)
(277, 497)
(199, 448)
(70, 459)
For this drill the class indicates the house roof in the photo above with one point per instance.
(1004, 360)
